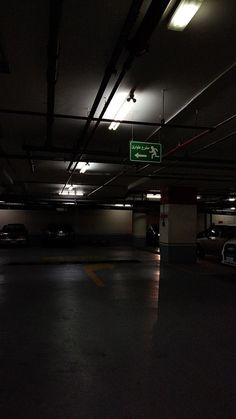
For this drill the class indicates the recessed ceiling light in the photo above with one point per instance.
(184, 14)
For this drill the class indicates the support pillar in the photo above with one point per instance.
(139, 229)
(178, 225)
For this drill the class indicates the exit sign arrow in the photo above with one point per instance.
(141, 151)
(137, 155)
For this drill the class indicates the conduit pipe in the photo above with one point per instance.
(136, 46)
(111, 67)
(174, 149)
(196, 96)
(53, 52)
(191, 139)
(104, 120)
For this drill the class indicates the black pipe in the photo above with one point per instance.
(150, 21)
(53, 45)
(105, 120)
(136, 47)
(111, 67)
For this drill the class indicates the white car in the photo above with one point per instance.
(229, 253)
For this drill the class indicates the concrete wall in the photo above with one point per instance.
(223, 219)
(85, 222)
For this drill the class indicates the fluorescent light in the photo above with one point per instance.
(84, 168)
(183, 14)
(233, 208)
(232, 199)
(123, 205)
(153, 196)
(121, 113)
(80, 164)
(71, 193)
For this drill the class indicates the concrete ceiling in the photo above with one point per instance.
(53, 58)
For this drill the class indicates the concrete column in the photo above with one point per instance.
(139, 229)
(178, 224)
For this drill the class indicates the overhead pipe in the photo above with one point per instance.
(137, 46)
(191, 140)
(180, 146)
(111, 67)
(53, 52)
(196, 96)
(104, 120)
(213, 143)
(192, 99)
(183, 108)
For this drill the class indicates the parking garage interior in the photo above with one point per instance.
(117, 156)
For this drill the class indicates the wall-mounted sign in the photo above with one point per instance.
(145, 152)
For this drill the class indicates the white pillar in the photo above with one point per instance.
(139, 229)
(178, 225)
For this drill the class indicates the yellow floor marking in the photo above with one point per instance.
(90, 271)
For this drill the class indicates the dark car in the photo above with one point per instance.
(14, 234)
(212, 240)
(59, 234)
(152, 235)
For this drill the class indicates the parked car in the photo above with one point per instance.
(229, 253)
(14, 234)
(212, 240)
(59, 234)
(152, 235)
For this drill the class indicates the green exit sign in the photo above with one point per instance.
(145, 152)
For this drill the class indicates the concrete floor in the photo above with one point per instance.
(83, 336)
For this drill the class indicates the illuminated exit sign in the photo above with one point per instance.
(145, 152)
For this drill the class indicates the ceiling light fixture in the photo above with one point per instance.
(71, 192)
(123, 205)
(84, 168)
(233, 208)
(199, 197)
(153, 196)
(232, 199)
(184, 14)
(122, 111)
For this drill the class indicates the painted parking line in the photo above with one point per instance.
(90, 271)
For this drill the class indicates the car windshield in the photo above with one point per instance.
(14, 227)
(57, 227)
